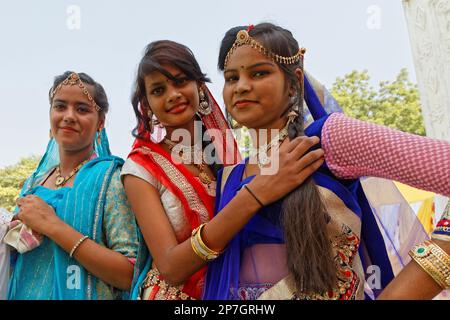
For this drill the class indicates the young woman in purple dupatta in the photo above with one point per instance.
(318, 241)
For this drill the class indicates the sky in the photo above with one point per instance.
(42, 39)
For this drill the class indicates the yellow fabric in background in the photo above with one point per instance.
(413, 194)
(426, 210)
(426, 214)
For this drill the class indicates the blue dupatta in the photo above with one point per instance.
(265, 227)
(47, 272)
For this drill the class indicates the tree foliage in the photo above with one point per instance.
(12, 179)
(395, 104)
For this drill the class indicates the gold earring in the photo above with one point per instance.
(99, 136)
(204, 108)
(150, 121)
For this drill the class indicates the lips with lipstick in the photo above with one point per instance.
(68, 130)
(243, 103)
(178, 108)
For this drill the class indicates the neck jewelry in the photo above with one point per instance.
(190, 155)
(262, 156)
(61, 181)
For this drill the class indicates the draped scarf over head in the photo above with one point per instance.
(223, 276)
(47, 272)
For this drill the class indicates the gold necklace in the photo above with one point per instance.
(189, 153)
(60, 180)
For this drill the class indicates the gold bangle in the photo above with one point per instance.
(434, 261)
(199, 247)
(77, 245)
(199, 251)
(195, 249)
(198, 236)
(439, 253)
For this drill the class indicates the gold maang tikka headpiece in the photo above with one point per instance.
(243, 38)
(72, 80)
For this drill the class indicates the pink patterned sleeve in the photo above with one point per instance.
(354, 148)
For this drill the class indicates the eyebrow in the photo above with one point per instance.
(159, 83)
(155, 84)
(258, 64)
(76, 102)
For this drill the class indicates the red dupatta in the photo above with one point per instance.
(198, 205)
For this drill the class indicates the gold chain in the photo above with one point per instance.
(61, 181)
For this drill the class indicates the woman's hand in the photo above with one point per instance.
(291, 165)
(37, 215)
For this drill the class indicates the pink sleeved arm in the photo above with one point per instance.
(354, 148)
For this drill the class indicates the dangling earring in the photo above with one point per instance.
(50, 135)
(292, 115)
(150, 121)
(204, 108)
(292, 100)
(99, 136)
(231, 122)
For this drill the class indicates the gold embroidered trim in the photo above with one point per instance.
(175, 175)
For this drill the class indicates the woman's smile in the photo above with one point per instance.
(178, 108)
(240, 104)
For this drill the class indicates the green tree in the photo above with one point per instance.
(12, 179)
(394, 104)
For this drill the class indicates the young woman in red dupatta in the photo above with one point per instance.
(173, 198)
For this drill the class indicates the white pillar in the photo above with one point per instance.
(428, 24)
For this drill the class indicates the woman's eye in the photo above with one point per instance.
(157, 91)
(58, 106)
(231, 78)
(83, 109)
(258, 74)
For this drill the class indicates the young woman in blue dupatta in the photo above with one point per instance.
(319, 241)
(76, 201)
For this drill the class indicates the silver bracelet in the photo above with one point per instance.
(77, 245)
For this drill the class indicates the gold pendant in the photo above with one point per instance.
(204, 178)
(59, 181)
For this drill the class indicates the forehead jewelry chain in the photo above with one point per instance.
(188, 155)
(243, 38)
(61, 181)
(74, 80)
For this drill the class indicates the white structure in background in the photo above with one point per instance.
(429, 32)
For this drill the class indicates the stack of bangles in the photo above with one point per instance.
(434, 261)
(199, 247)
